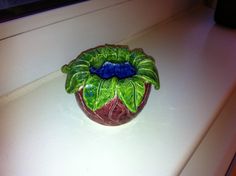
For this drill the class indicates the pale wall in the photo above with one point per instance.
(35, 46)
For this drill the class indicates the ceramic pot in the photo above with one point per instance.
(114, 112)
(111, 83)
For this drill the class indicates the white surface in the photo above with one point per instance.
(216, 151)
(48, 40)
(44, 133)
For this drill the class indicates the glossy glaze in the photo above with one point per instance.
(111, 82)
(109, 70)
(114, 112)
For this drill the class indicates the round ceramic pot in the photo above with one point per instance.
(114, 112)
(111, 83)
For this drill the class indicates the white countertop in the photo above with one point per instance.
(44, 133)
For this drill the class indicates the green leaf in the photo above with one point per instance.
(123, 54)
(107, 92)
(75, 80)
(105, 50)
(115, 54)
(146, 63)
(90, 57)
(77, 73)
(112, 57)
(131, 92)
(78, 62)
(97, 92)
(150, 76)
(78, 67)
(85, 56)
(98, 61)
(136, 56)
(65, 69)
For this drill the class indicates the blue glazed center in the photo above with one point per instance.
(109, 70)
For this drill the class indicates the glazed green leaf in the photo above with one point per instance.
(145, 66)
(108, 52)
(65, 69)
(131, 92)
(84, 56)
(112, 57)
(98, 61)
(75, 80)
(97, 92)
(123, 54)
(79, 67)
(146, 63)
(107, 92)
(136, 56)
(76, 75)
(78, 63)
(105, 50)
(150, 76)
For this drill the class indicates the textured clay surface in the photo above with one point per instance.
(114, 112)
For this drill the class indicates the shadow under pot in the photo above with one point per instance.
(111, 83)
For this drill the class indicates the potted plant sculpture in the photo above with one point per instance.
(111, 83)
